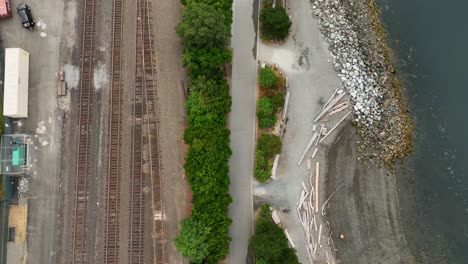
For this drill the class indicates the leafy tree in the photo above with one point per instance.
(203, 26)
(269, 243)
(224, 6)
(206, 62)
(268, 79)
(191, 242)
(274, 23)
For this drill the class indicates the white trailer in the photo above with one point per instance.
(15, 99)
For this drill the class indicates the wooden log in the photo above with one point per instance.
(301, 199)
(275, 167)
(326, 109)
(307, 148)
(315, 224)
(320, 234)
(304, 187)
(331, 97)
(309, 254)
(316, 191)
(289, 239)
(323, 206)
(337, 124)
(314, 153)
(319, 135)
(275, 217)
(285, 108)
(339, 105)
(337, 110)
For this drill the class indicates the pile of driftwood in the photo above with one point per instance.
(309, 205)
(336, 104)
(308, 208)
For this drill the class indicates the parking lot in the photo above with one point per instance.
(43, 123)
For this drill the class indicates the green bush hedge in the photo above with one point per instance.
(274, 23)
(269, 243)
(267, 109)
(268, 79)
(205, 30)
(267, 147)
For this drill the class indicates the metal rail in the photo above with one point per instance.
(86, 99)
(136, 235)
(155, 161)
(111, 246)
(146, 122)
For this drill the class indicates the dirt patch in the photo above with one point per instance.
(18, 219)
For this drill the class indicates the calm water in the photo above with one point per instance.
(431, 42)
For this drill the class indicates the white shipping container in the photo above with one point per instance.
(15, 102)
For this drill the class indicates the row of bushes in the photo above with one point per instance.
(267, 110)
(272, 100)
(269, 243)
(205, 31)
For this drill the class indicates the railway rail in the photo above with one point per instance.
(144, 136)
(86, 98)
(145, 101)
(114, 169)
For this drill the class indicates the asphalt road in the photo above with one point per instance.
(242, 126)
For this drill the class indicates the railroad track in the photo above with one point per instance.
(86, 99)
(111, 246)
(145, 131)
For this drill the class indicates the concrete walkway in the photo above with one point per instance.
(305, 60)
(242, 126)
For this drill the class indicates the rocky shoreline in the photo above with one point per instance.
(358, 45)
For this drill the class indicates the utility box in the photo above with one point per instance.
(15, 96)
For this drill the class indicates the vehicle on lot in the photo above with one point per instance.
(24, 12)
(16, 83)
(5, 10)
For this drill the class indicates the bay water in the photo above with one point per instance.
(430, 41)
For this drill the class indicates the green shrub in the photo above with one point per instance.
(268, 78)
(270, 145)
(267, 3)
(267, 147)
(203, 26)
(266, 113)
(274, 23)
(269, 243)
(261, 172)
(277, 100)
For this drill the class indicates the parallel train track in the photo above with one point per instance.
(86, 99)
(144, 135)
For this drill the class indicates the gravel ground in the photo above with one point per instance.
(172, 120)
